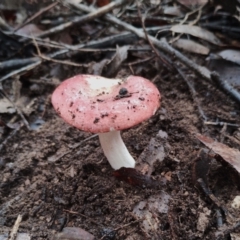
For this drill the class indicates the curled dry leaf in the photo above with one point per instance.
(196, 32)
(191, 46)
(230, 155)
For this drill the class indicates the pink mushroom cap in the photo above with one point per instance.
(97, 104)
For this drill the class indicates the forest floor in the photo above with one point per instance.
(55, 179)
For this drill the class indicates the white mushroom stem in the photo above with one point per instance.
(115, 150)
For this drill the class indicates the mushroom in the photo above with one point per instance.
(106, 106)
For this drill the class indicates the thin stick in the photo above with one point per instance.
(163, 60)
(209, 193)
(225, 86)
(161, 44)
(194, 94)
(20, 70)
(55, 60)
(41, 11)
(221, 124)
(165, 47)
(233, 139)
(97, 13)
(18, 110)
(4, 25)
(13, 234)
(34, 62)
(13, 133)
(199, 10)
(16, 63)
(191, 23)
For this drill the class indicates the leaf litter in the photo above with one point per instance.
(57, 177)
(230, 155)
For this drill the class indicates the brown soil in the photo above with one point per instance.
(54, 184)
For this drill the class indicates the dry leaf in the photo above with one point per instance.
(230, 155)
(97, 68)
(73, 1)
(73, 233)
(155, 2)
(173, 11)
(116, 61)
(230, 55)
(228, 70)
(193, 2)
(236, 202)
(196, 32)
(29, 30)
(6, 106)
(191, 46)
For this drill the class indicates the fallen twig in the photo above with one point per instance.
(194, 94)
(21, 70)
(13, 133)
(71, 50)
(16, 63)
(55, 60)
(16, 108)
(209, 193)
(221, 124)
(225, 86)
(41, 11)
(163, 60)
(161, 44)
(233, 139)
(226, 231)
(97, 13)
(165, 47)
(4, 25)
(13, 234)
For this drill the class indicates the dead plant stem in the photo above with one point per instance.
(95, 14)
